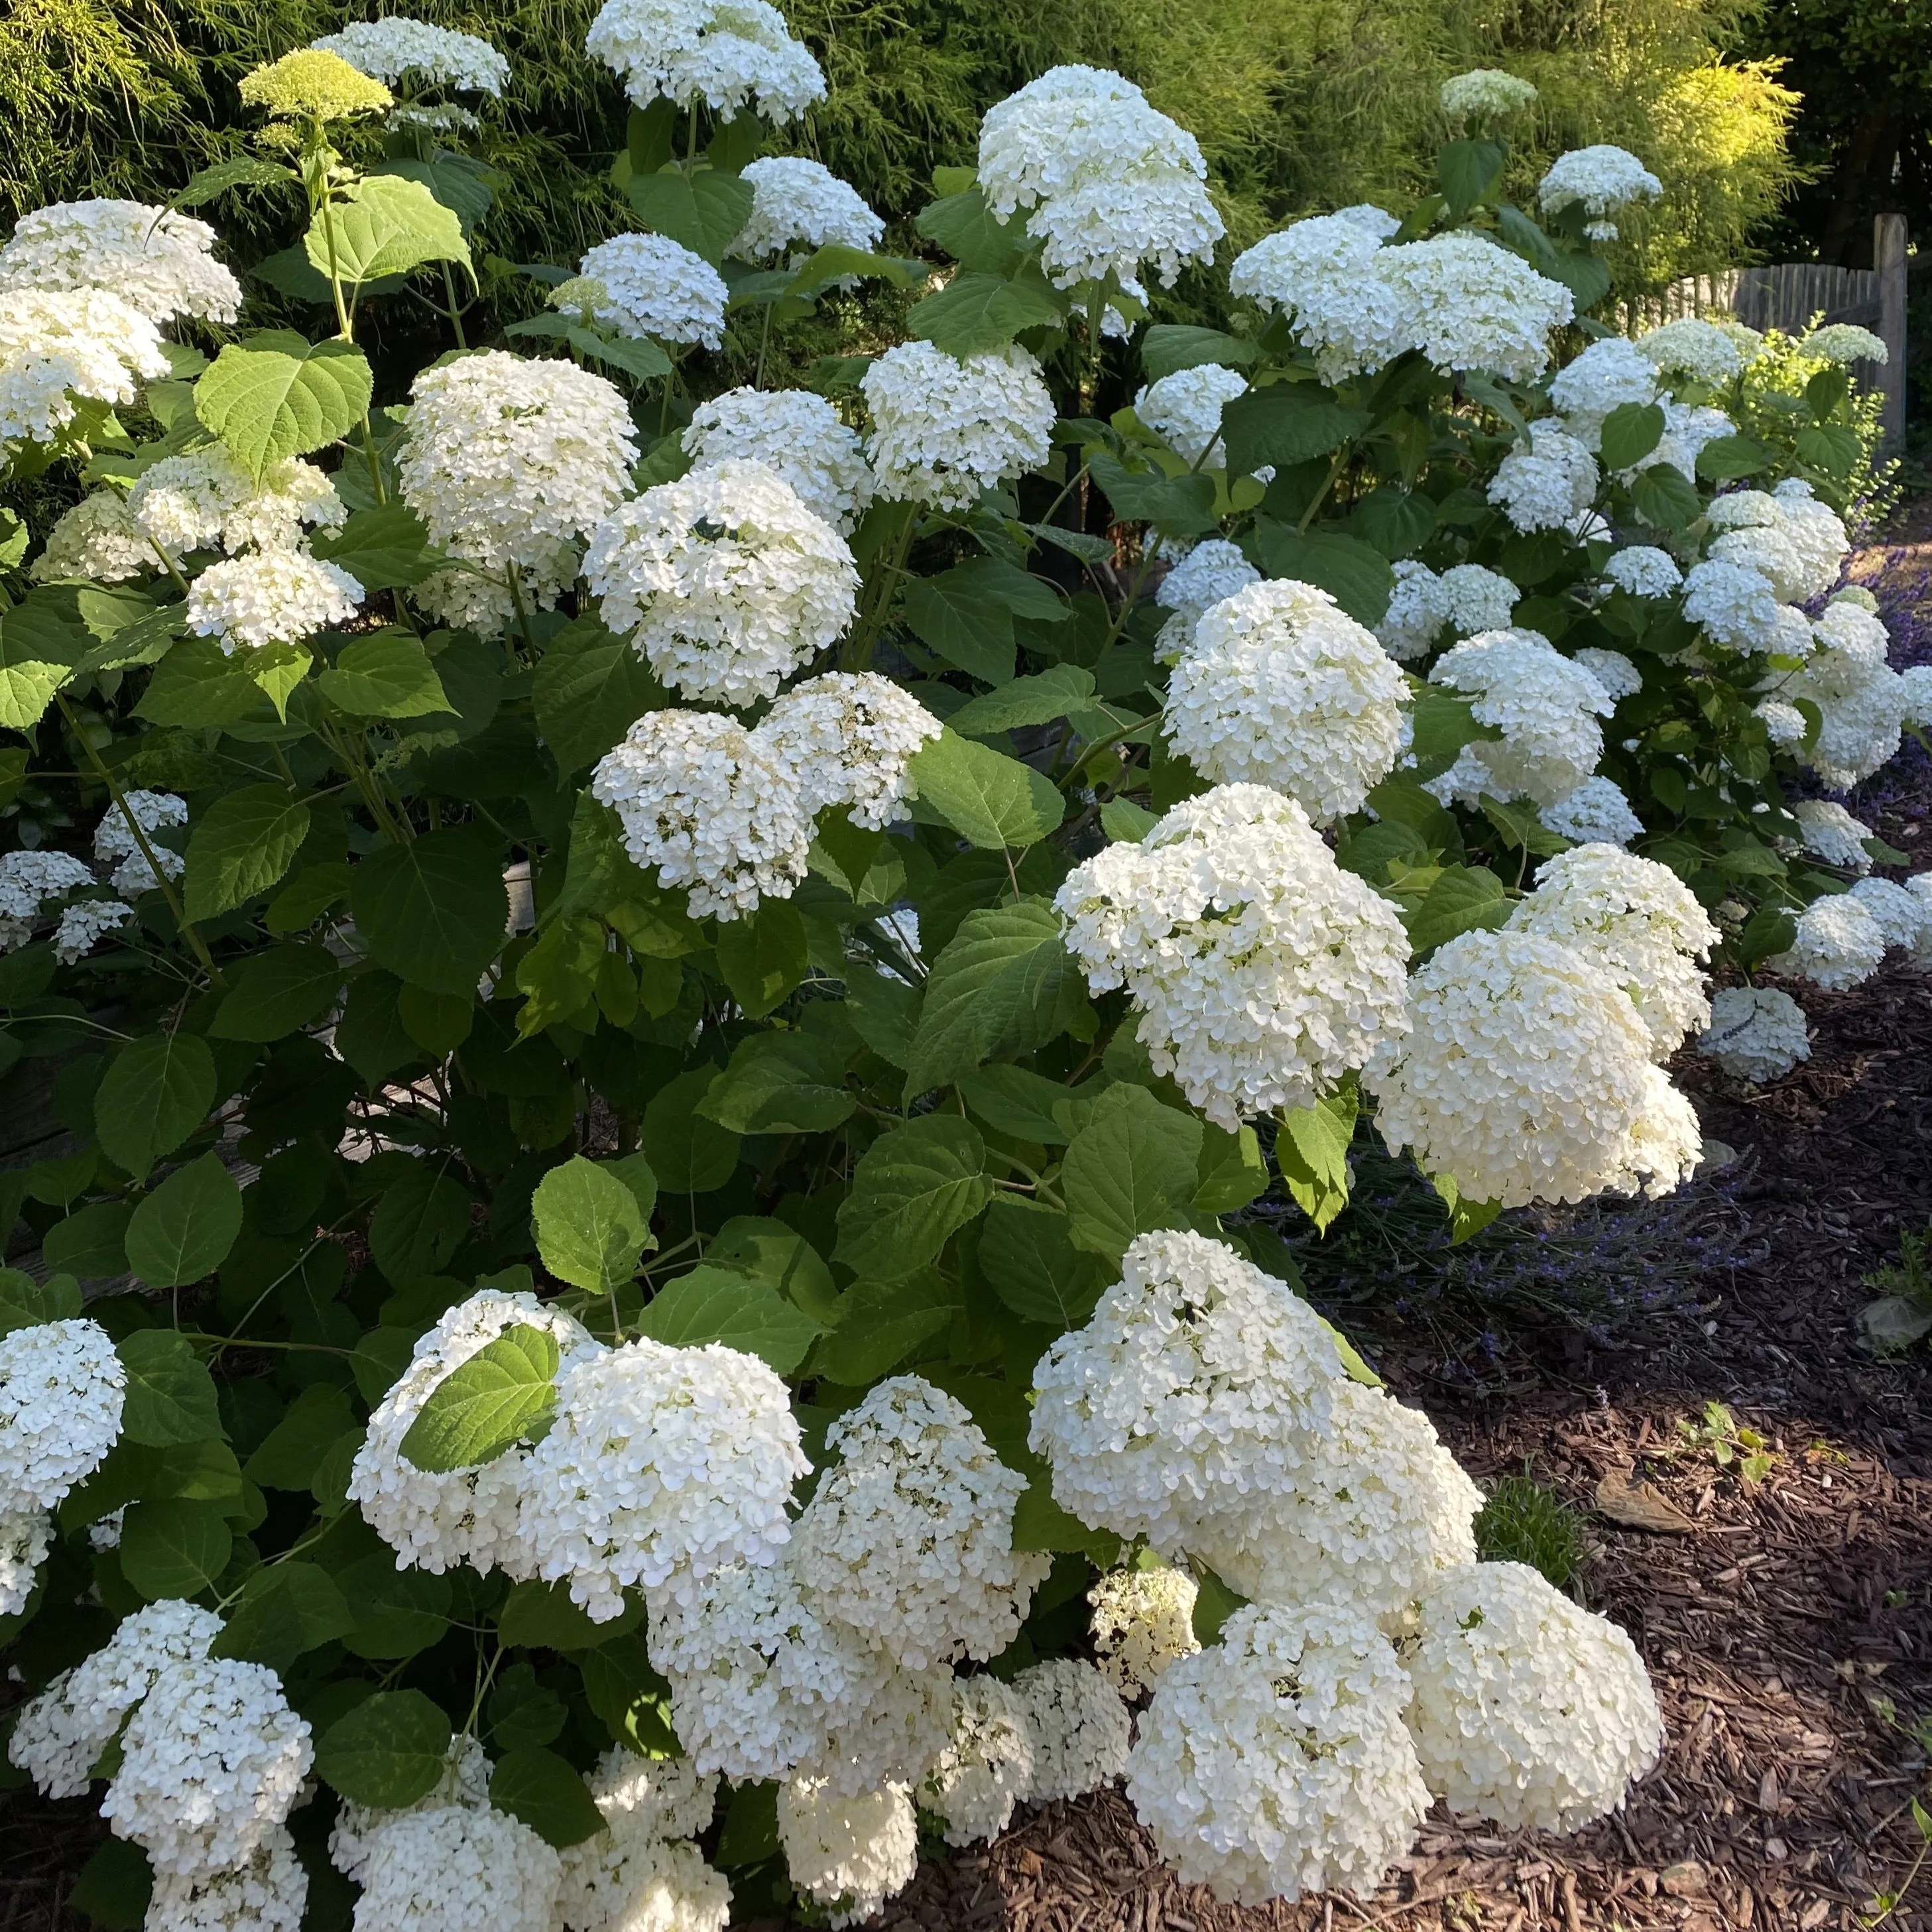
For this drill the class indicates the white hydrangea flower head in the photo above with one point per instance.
(944, 430)
(61, 1390)
(1111, 184)
(1469, 304)
(445, 118)
(1614, 671)
(115, 845)
(849, 738)
(465, 1782)
(1485, 90)
(623, 1881)
(729, 54)
(1705, 351)
(25, 1536)
(1844, 343)
(96, 539)
(28, 880)
(1856, 594)
(511, 463)
(1198, 1387)
(1597, 813)
(58, 346)
(1861, 698)
(796, 435)
(1830, 832)
(1815, 530)
(1079, 1727)
(212, 1762)
(160, 262)
(436, 1522)
(1603, 179)
(1687, 429)
(1735, 603)
(270, 597)
(1377, 1507)
(1767, 549)
(1545, 705)
(387, 48)
(1916, 695)
(1756, 1033)
(893, 1734)
(1276, 1763)
(1214, 569)
(1523, 1076)
(987, 1766)
(268, 1892)
(1475, 599)
(455, 1869)
(725, 582)
(1262, 972)
(796, 202)
(1184, 410)
(1322, 273)
(909, 1535)
(60, 1735)
(1607, 374)
(1527, 1708)
(663, 1464)
(1639, 921)
(85, 924)
(1546, 484)
(1143, 1620)
(1417, 612)
(205, 499)
(1279, 686)
(653, 286)
(847, 1855)
(712, 806)
(1838, 945)
(1784, 724)
(1643, 571)
(1899, 915)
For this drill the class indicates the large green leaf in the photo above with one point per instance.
(880, 1324)
(388, 1752)
(688, 1153)
(277, 991)
(762, 956)
(387, 226)
(1355, 574)
(282, 1612)
(974, 313)
(115, 1885)
(25, 1302)
(1631, 432)
(174, 1549)
(1012, 1101)
(1665, 497)
(1168, 346)
(433, 911)
(396, 1612)
(705, 211)
(1177, 505)
(545, 1792)
(156, 1091)
(386, 548)
(184, 1230)
(590, 1230)
(277, 395)
(957, 615)
(388, 675)
(38, 649)
(591, 687)
(1005, 983)
(1233, 1171)
(169, 1397)
(420, 1220)
(1470, 172)
(1462, 898)
(1132, 1168)
(541, 1616)
(1286, 424)
(91, 1242)
(972, 234)
(484, 1405)
(782, 1083)
(716, 1304)
(912, 1187)
(240, 846)
(1038, 699)
(1311, 1150)
(992, 800)
(1027, 1255)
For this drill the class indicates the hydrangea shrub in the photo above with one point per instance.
(686, 1008)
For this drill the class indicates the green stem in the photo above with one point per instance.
(140, 837)
(1336, 463)
(345, 329)
(858, 652)
(449, 300)
(764, 342)
(522, 614)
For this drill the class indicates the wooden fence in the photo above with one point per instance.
(1785, 296)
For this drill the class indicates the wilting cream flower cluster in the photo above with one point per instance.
(943, 430)
(729, 54)
(1597, 813)
(62, 347)
(653, 286)
(1467, 597)
(1262, 972)
(61, 1390)
(1525, 1707)
(95, 539)
(205, 498)
(84, 924)
(435, 1521)
(797, 437)
(1603, 179)
(1143, 1620)
(1278, 686)
(1527, 1076)
(987, 1766)
(847, 1855)
(1485, 90)
(1757, 1032)
(1547, 483)
(724, 581)
(640, 1873)
(511, 463)
(387, 48)
(270, 597)
(1214, 569)
(1545, 706)
(1276, 1762)
(114, 844)
(1639, 922)
(798, 202)
(156, 261)
(1111, 183)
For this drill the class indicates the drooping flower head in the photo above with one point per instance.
(159, 263)
(1485, 90)
(388, 49)
(1757, 1032)
(61, 348)
(847, 739)
(62, 1391)
(270, 597)
(1184, 410)
(1545, 706)
(728, 54)
(653, 286)
(796, 435)
(799, 202)
(847, 1855)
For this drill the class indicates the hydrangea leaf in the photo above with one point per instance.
(1631, 432)
(1027, 1255)
(1461, 898)
(1286, 424)
(282, 1613)
(1168, 347)
(25, 1302)
(976, 313)
(544, 1791)
(383, 549)
(170, 1397)
(716, 1304)
(705, 211)
(1312, 1150)
(182, 1231)
(156, 1091)
(590, 1230)
(389, 1751)
(912, 1187)
(880, 1323)
(958, 616)
(434, 910)
(1214, 1603)
(781, 1083)
(501, 1396)
(37, 650)
(1355, 574)
(1038, 699)
(277, 395)
(994, 801)
(277, 991)
(762, 956)
(688, 1153)
(241, 845)
(591, 686)
(1133, 1167)
(395, 1613)
(972, 234)
(385, 225)
(174, 1548)
(541, 1616)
